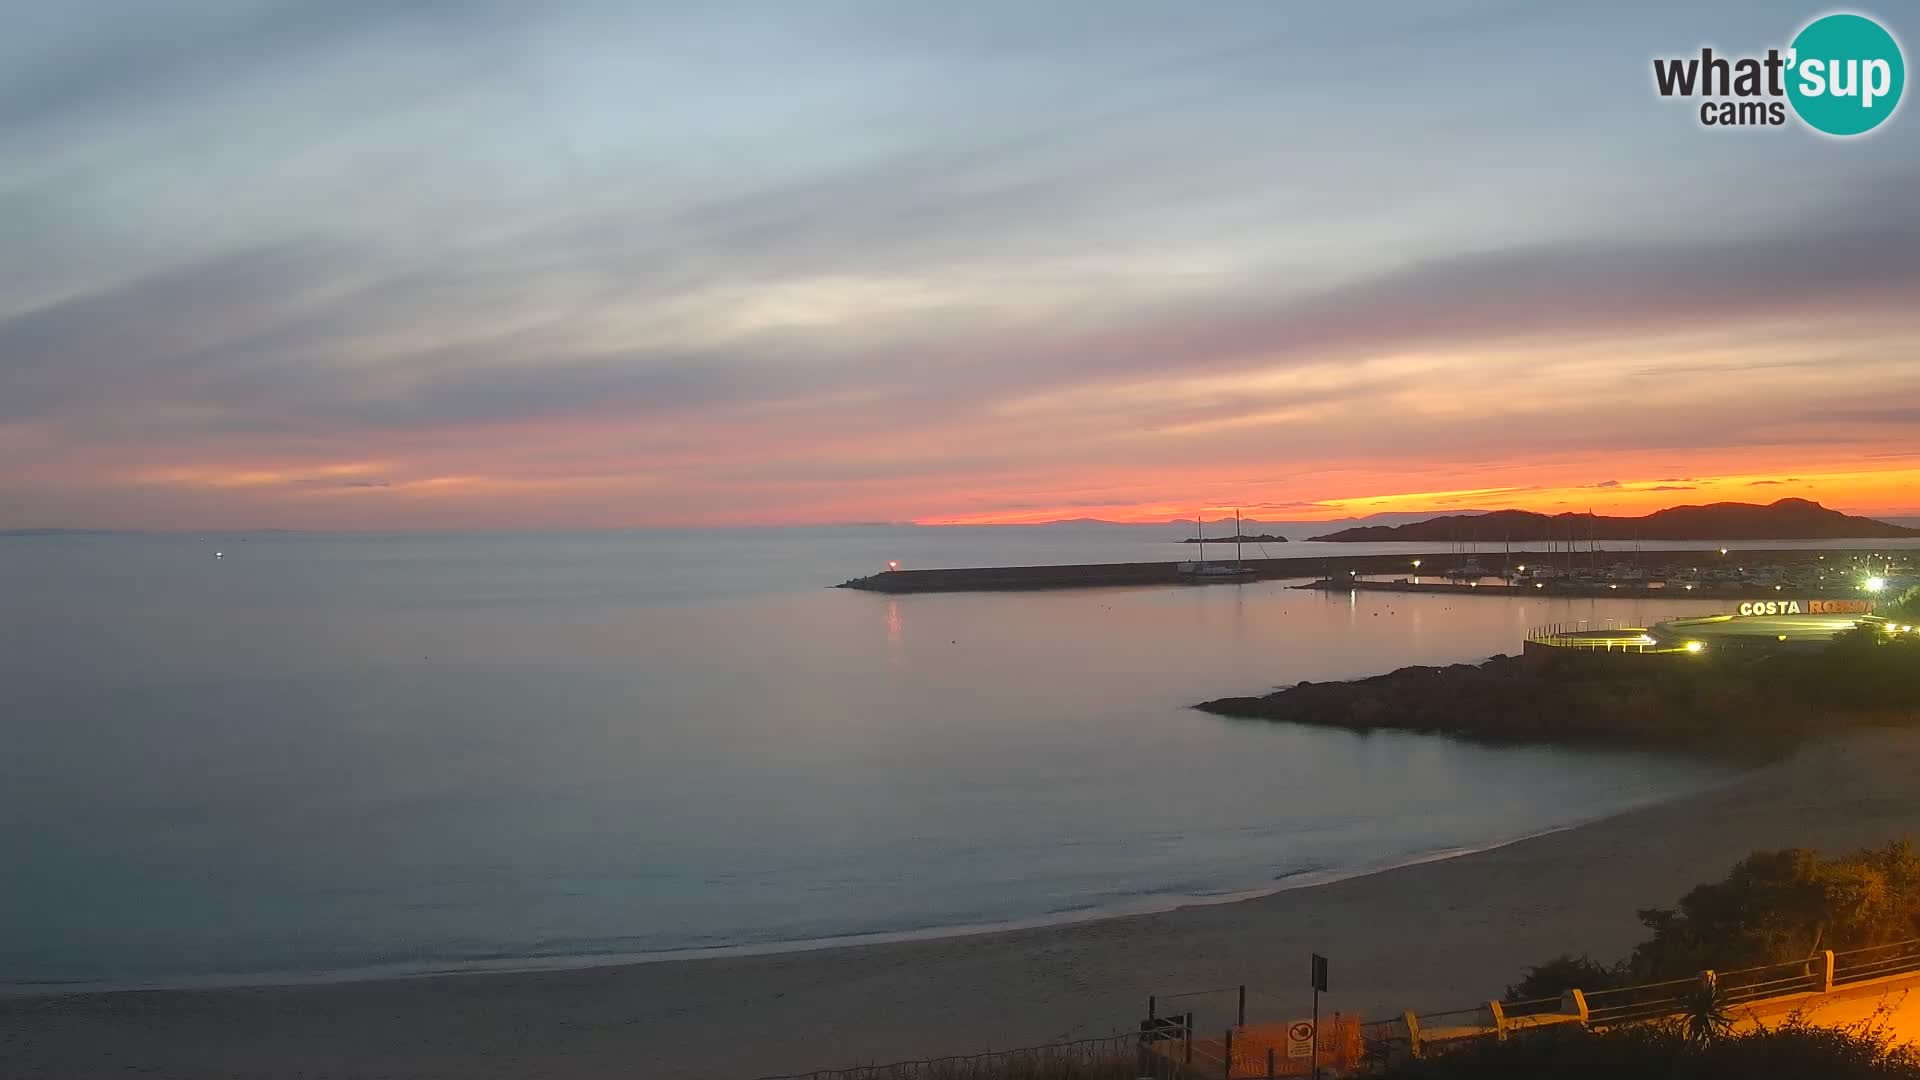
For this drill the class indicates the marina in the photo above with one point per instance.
(1711, 573)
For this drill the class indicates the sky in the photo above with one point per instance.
(391, 264)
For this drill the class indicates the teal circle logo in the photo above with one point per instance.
(1845, 74)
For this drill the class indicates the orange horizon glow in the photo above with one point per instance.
(1888, 493)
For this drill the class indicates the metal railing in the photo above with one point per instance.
(1876, 962)
(1601, 638)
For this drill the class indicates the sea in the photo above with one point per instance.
(252, 757)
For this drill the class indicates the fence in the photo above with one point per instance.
(1181, 1046)
(1609, 638)
(1415, 1034)
(1249, 1051)
(1106, 1057)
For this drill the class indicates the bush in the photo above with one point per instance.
(1795, 1050)
(1563, 973)
(1772, 907)
(1905, 609)
(1784, 905)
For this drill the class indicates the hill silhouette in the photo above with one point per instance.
(1787, 519)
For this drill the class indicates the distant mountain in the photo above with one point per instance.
(1788, 519)
(1390, 517)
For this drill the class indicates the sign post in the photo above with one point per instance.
(1319, 987)
(1300, 1035)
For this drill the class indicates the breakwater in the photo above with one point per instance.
(1341, 569)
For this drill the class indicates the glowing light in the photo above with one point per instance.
(1416, 565)
(1539, 584)
(893, 564)
(1695, 646)
(1875, 584)
(1723, 551)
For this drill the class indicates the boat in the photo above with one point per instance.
(1203, 572)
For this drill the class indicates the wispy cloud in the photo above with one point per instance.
(607, 263)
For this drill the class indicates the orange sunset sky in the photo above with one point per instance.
(912, 264)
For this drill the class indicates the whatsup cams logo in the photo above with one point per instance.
(1841, 75)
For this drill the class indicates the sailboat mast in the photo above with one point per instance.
(1200, 533)
(1236, 538)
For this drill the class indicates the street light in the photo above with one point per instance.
(1875, 584)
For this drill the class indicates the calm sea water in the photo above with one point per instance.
(338, 754)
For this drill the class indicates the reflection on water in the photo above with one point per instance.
(321, 754)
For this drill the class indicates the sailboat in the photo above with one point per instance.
(1203, 572)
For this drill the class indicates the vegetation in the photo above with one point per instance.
(1564, 973)
(1905, 609)
(1795, 1050)
(1772, 907)
(1776, 906)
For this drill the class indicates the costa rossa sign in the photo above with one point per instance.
(1807, 607)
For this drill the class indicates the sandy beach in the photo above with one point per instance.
(1433, 936)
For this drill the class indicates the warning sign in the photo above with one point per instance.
(1300, 1039)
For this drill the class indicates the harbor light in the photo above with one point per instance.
(1723, 551)
(1416, 564)
(1695, 646)
(1875, 584)
(893, 564)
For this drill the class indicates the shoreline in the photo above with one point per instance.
(1437, 935)
(1154, 904)
(1147, 905)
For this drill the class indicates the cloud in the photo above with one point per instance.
(876, 261)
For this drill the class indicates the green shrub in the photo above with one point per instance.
(1563, 973)
(1796, 1050)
